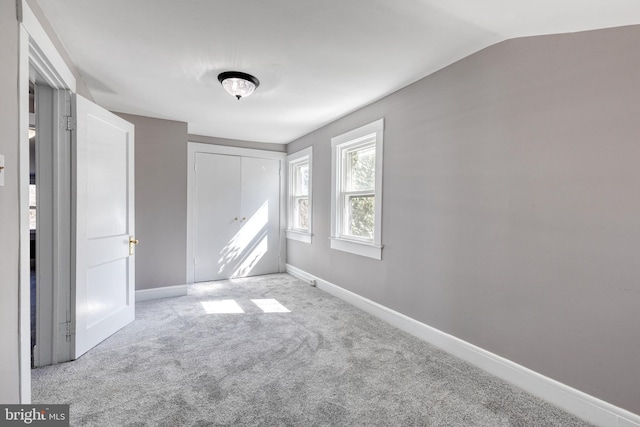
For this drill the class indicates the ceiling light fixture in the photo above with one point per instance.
(238, 84)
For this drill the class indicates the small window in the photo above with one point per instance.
(357, 191)
(32, 206)
(300, 209)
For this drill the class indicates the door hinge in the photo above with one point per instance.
(68, 123)
(68, 330)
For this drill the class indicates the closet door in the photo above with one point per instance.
(217, 215)
(259, 243)
(236, 216)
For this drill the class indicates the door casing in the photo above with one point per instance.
(37, 54)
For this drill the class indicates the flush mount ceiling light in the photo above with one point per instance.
(238, 84)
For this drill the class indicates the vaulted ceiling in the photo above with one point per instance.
(316, 60)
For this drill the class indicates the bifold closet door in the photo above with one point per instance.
(237, 216)
(217, 214)
(259, 243)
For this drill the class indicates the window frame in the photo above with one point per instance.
(304, 156)
(370, 135)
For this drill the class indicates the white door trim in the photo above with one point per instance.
(43, 54)
(36, 50)
(198, 147)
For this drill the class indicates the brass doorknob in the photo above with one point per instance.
(132, 242)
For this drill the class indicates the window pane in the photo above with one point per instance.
(361, 216)
(32, 195)
(32, 219)
(361, 169)
(302, 179)
(301, 213)
(32, 205)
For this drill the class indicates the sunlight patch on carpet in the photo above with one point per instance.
(270, 306)
(227, 306)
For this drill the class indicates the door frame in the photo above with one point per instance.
(199, 147)
(53, 242)
(38, 54)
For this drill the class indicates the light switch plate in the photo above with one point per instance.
(1, 170)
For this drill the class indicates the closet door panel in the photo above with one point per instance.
(260, 206)
(217, 222)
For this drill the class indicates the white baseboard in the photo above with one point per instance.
(158, 293)
(587, 407)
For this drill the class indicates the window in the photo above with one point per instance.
(356, 202)
(299, 209)
(32, 206)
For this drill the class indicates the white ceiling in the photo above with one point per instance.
(317, 60)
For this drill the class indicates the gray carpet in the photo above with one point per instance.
(325, 363)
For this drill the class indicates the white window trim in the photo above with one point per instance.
(293, 160)
(368, 248)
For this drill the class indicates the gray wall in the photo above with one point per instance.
(511, 212)
(161, 201)
(238, 143)
(9, 234)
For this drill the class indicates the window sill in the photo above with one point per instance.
(369, 250)
(300, 236)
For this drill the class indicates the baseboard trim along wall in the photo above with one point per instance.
(158, 293)
(587, 407)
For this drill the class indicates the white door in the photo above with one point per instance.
(260, 205)
(236, 216)
(103, 180)
(217, 215)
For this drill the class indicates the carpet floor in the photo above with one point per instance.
(185, 362)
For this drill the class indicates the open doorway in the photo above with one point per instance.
(41, 66)
(32, 218)
(49, 224)
(83, 230)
